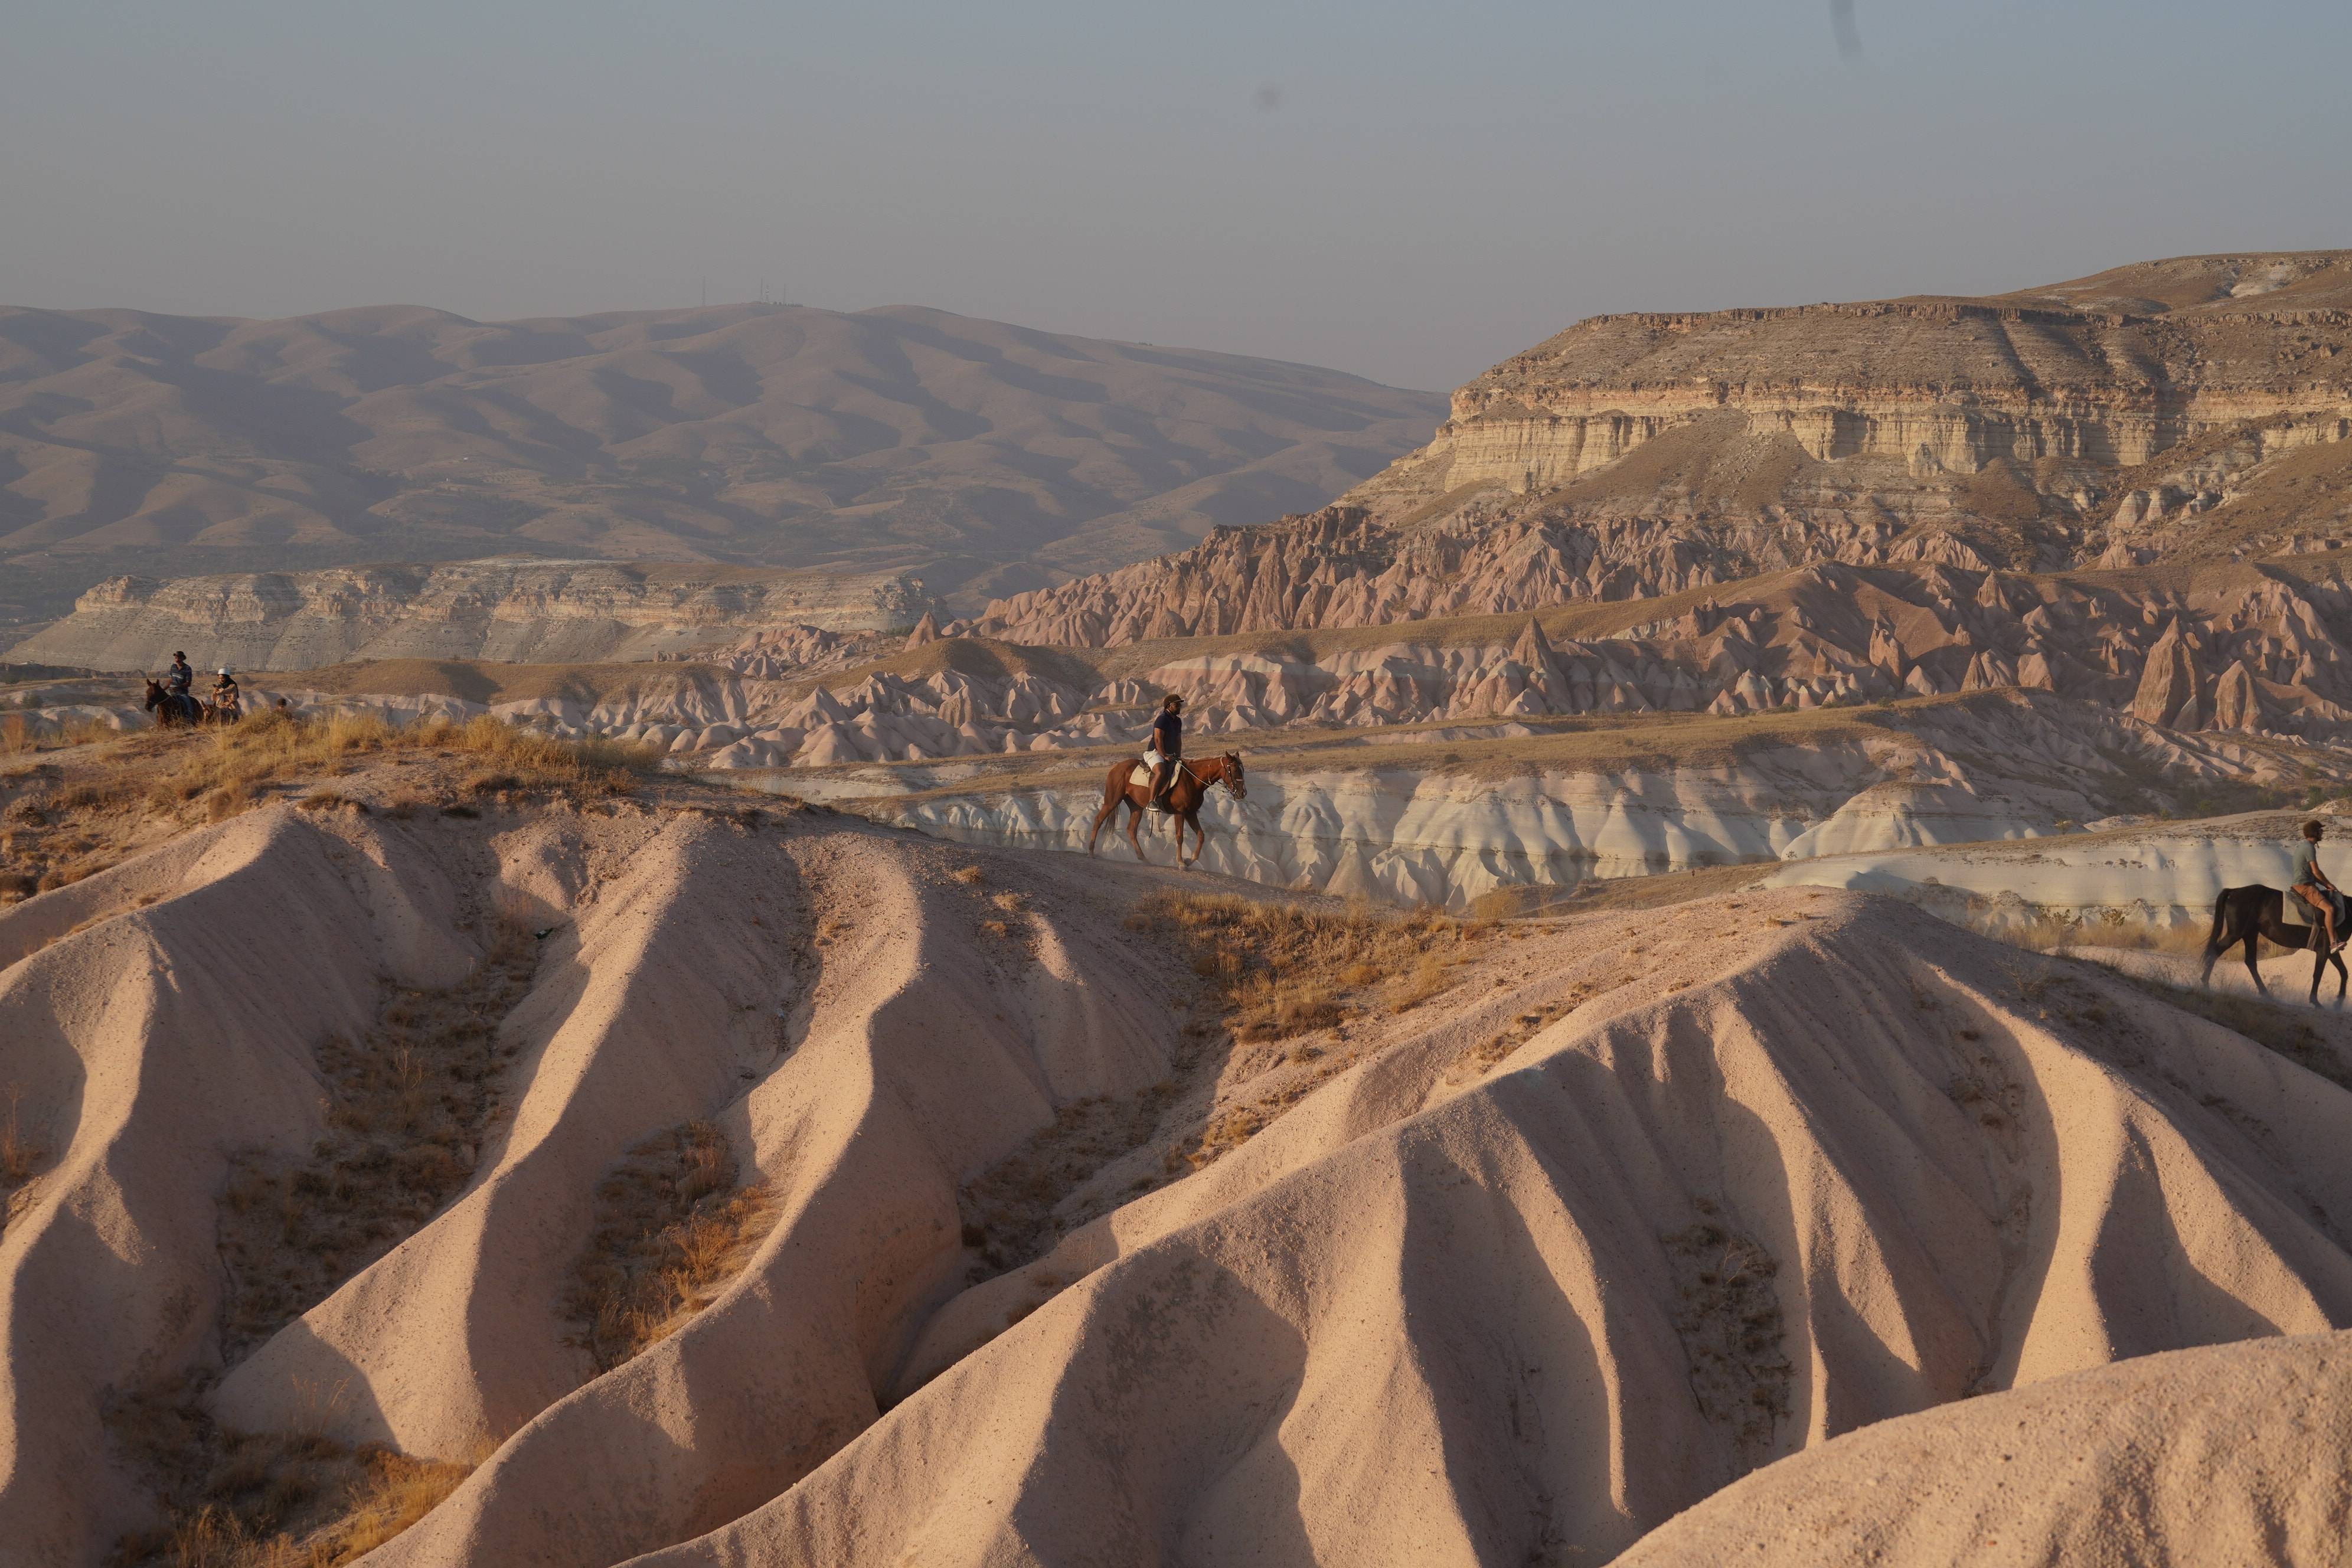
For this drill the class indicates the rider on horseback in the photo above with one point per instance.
(1167, 748)
(179, 705)
(228, 701)
(2311, 886)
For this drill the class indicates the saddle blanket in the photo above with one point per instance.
(1142, 777)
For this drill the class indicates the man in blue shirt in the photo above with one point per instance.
(2311, 886)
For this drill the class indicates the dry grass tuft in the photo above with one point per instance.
(2283, 1027)
(1280, 970)
(272, 747)
(18, 735)
(242, 1499)
(2045, 933)
(69, 817)
(410, 1105)
(1285, 968)
(968, 875)
(1728, 1315)
(20, 1157)
(1009, 1210)
(404, 804)
(673, 1227)
(1479, 1060)
(328, 800)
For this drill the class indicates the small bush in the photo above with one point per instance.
(245, 1499)
(673, 1227)
(20, 1157)
(328, 800)
(1286, 968)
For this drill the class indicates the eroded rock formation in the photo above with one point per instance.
(2195, 409)
(516, 611)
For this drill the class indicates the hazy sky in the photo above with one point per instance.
(1408, 191)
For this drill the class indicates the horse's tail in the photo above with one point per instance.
(1114, 791)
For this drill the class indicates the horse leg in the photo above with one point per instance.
(1135, 820)
(2217, 940)
(2342, 978)
(2253, 937)
(1109, 806)
(1199, 835)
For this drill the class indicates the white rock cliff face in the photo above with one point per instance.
(1444, 835)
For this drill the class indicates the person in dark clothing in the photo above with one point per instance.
(1168, 746)
(180, 677)
(2314, 888)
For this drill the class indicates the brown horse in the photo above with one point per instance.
(2244, 914)
(1129, 784)
(174, 710)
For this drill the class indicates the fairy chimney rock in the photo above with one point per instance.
(2168, 682)
(2237, 701)
(1533, 650)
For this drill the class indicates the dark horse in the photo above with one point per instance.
(174, 709)
(1129, 784)
(2244, 914)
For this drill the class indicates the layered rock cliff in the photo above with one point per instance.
(517, 611)
(2189, 409)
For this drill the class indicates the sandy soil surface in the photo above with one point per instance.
(2233, 1454)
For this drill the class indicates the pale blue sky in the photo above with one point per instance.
(1408, 191)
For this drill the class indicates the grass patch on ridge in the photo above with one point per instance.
(673, 1226)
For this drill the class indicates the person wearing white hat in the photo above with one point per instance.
(229, 703)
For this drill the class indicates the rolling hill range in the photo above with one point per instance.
(888, 440)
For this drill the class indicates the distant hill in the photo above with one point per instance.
(980, 456)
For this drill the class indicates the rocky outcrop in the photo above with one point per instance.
(2238, 648)
(2168, 683)
(516, 611)
(1636, 456)
(2006, 768)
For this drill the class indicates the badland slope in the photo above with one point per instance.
(887, 440)
(2191, 409)
(638, 1175)
(2232, 1453)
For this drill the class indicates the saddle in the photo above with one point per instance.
(1141, 778)
(2294, 905)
